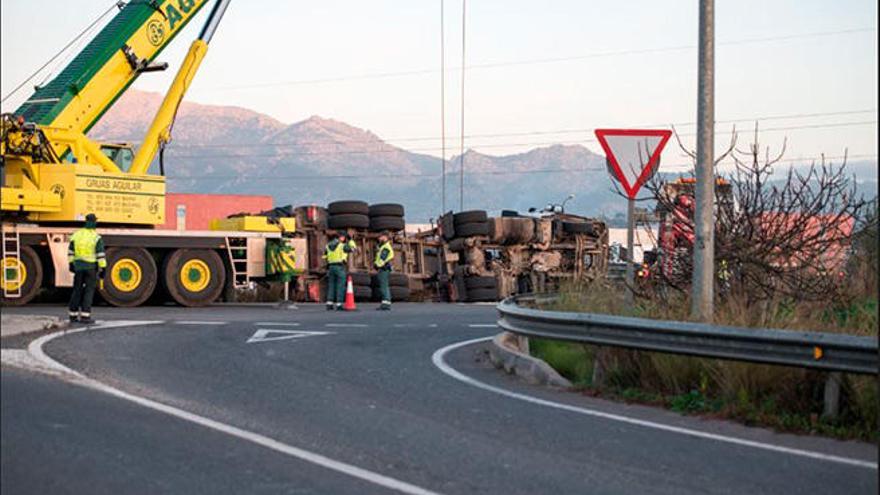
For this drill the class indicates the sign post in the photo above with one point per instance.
(632, 156)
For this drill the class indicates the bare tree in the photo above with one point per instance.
(775, 236)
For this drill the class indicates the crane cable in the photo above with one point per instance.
(117, 4)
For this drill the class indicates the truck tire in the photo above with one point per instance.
(398, 280)
(360, 278)
(480, 283)
(130, 277)
(394, 280)
(194, 277)
(31, 280)
(349, 221)
(447, 227)
(378, 224)
(386, 210)
(577, 227)
(471, 216)
(399, 293)
(348, 208)
(472, 229)
(482, 295)
(457, 245)
(363, 293)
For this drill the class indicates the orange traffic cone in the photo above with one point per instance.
(349, 296)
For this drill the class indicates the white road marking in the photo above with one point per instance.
(346, 325)
(36, 349)
(482, 325)
(277, 323)
(199, 322)
(438, 359)
(21, 358)
(262, 335)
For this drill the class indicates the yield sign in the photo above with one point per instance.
(265, 335)
(633, 154)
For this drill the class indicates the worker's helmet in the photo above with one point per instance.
(91, 221)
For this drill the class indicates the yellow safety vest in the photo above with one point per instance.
(338, 254)
(86, 246)
(385, 247)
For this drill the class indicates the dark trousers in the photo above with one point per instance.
(84, 282)
(384, 286)
(336, 283)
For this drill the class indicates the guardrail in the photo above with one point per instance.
(824, 351)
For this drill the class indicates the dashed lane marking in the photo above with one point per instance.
(438, 358)
(346, 325)
(277, 323)
(482, 325)
(36, 349)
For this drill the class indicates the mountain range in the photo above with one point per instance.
(227, 149)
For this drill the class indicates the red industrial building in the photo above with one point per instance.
(185, 211)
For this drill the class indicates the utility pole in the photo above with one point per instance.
(461, 142)
(704, 219)
(443, 107)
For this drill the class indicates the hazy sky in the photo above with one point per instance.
(616, 64)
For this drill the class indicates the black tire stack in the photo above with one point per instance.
(348, 215)
(465, 224)
(470, 223)
(399, 285)
(360, 281)
(481, 289)
(386, 217)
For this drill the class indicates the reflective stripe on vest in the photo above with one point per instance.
(84, 242)
(384, 247)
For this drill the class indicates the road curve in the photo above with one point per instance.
(361, 389)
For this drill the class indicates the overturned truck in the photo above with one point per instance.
(466, 256)
(489, 258)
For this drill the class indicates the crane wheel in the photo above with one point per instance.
(27, 283)
(194, 277)
(130, 277)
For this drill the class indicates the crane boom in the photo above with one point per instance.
(80, 94)
(51, 171)
(160, 130)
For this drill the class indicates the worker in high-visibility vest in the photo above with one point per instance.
(384, 255)
(87, 261)
(336, 254)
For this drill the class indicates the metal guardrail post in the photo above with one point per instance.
(831, 406)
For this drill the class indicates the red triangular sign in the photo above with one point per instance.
(633, 154)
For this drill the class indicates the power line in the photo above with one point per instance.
(280, 153)
(68, 45)
(529, 133)
(483, 173)
(511, 63)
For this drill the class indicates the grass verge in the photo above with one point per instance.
(782, 398)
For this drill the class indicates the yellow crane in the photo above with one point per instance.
(54, 175)
(52, 172)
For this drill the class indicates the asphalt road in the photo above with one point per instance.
(358, 389)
